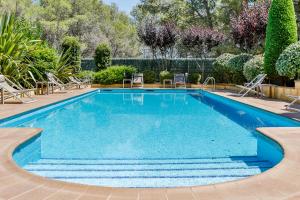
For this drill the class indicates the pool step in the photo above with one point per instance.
(149, 172)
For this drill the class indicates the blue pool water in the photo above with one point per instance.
(148, 138)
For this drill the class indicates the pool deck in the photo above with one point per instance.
(281, 182)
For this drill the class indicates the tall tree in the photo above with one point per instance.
(281, 32)
(204, 9)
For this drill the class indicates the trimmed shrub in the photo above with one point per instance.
(195, 78)
(113, 74)
(149, 76)
(236, 66)
(165, 75)
(288, 63)
(102, 56)
(221, 71)
(72, 46)
(281, 32)
(254, 67)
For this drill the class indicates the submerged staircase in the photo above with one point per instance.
(149, 172)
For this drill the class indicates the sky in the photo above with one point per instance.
(124, 5)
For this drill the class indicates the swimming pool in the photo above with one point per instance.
(148, 138)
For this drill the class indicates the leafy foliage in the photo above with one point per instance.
(281, 32)
(199, 40)
(91, 21)
(161, 37)
(72, 45)
(221, 71)
(288, 63)
(249, 27)
(102, 56)
(42, 59)
(165, 75)
(113, 74)
(194, 78)
(236, 66)
(254, 67)
(149, 76)
(13, 48)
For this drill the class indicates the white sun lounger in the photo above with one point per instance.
(12, 90)
(250, 87)
(77, 82)
(179, 79)
(137, 79)
(54, 81)
(295, 99)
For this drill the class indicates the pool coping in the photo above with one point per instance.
(280, 182)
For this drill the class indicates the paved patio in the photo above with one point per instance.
(281, 182)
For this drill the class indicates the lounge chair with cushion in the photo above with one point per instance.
(137, 79)
(179, 79)
(12, 90)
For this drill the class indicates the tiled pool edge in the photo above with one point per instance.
(281, 182)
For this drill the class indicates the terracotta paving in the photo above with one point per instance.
(281, 182)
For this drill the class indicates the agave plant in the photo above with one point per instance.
(13, 48)
(62, 68)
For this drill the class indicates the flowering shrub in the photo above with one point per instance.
(254, 67)
(288, 63)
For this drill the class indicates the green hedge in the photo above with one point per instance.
(113, 74)
(180, 65)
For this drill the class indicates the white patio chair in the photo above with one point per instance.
(256, 83)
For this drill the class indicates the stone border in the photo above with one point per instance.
(280, 182)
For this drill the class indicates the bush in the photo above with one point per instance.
(195, 78)
(42, 59)
(102, 56)
(281, 32)
(86, 74)
(149, 76)
(254, 67)
(236, 66)
(221, 71)
(113, 74)
(72, 46)
(288, 63)
(165, 75)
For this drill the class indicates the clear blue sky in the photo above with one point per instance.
(124, 5)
